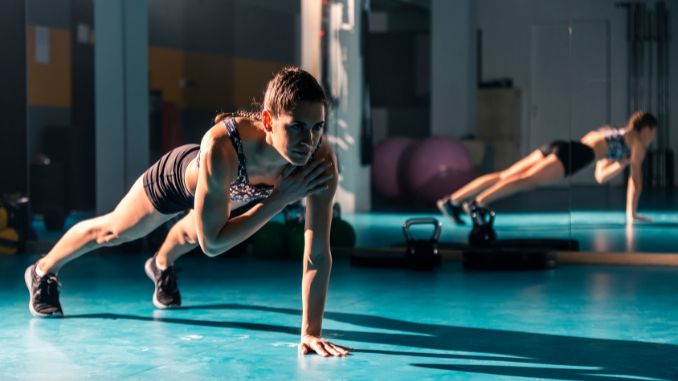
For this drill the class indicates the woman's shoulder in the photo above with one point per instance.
(216, 146)
(248, 128)
(324, 150)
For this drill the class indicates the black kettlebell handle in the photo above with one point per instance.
(492, 215)
(490, 220)
(422, 221)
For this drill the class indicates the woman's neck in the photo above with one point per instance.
(262, 157)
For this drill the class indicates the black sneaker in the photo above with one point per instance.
(166, 294)
(44, 293)
(450, 210)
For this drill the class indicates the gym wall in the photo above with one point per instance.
(210, 55)
(13, 163)
(508, 27)
(204, 57)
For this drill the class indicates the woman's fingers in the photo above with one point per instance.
(318, 347)
(288, 170)
(319, 181)
(339, 349)
(318, 170)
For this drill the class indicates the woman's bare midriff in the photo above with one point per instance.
(191, 176)
(596, 141)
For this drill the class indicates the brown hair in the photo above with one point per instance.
(284, 91)
(642, 119)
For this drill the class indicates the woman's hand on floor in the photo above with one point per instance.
(321, 346)
(637, 218)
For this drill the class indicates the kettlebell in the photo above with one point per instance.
(422, 254)
(483, 233)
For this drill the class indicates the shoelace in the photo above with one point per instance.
(48, 289)
(168, 279)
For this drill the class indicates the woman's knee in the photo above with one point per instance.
(106, 233)
(184, 235)
(189, 239)
(507, 175)
(185, 230)
(526, 181)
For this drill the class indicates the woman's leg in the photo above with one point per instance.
(547, 170)
(134, 217)
(181, 239)
(483, 182)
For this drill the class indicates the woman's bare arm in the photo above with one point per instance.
(219, 166)
(607, 169)
(317, 264)
(635, 183)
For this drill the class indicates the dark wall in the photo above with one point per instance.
(13, 144)
(81, 151)
(398, 67)
(256, 30)
(393, 66)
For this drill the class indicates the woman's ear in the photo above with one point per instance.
(266, 119)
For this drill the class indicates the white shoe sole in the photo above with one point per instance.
(149, 274)
(28, 279)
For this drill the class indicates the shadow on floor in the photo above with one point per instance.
(548, 356)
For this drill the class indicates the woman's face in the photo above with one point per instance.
(296, 135)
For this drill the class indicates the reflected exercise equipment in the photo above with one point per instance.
(486, 252)
(419, 254)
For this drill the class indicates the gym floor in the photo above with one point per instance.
(241, 315)
(240, 320)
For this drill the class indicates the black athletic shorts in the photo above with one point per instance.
(573, 154)
(164, 180)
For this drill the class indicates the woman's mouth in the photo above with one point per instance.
(302, 151)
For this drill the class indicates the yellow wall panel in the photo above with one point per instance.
(166, 69)
(49, 84)
(210, 77)
(250, 78)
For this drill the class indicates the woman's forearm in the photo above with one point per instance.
(607, 172)
(238, 229)
(314, 292)
(633, 190)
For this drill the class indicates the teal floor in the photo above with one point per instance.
(595, 230)
(241, 321)
(594, 216)
(603, 231)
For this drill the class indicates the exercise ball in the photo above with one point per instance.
(437, 166)
(387, 165)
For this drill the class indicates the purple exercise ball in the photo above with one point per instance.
(387, 164)
(437, 166)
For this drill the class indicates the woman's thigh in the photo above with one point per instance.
(134, 216)
(523, 165)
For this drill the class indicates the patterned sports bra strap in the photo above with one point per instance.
(237, 144)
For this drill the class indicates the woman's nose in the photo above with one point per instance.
(307, 136)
